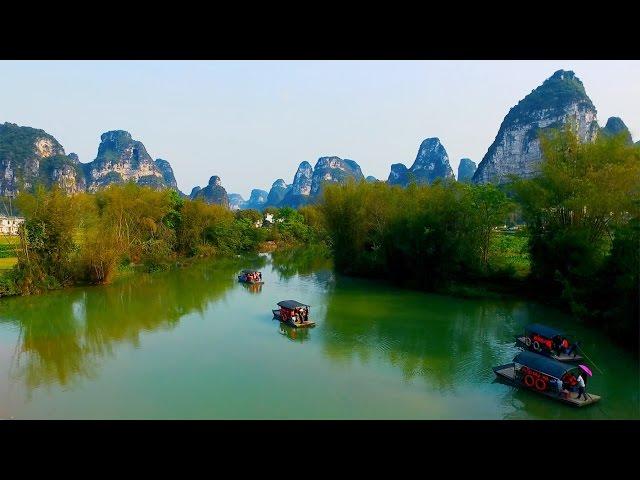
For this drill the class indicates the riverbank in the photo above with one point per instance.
(280, 248)
(86, 238)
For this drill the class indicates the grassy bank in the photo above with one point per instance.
(8, 252)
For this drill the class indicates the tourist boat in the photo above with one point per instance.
(541, 374)
(546, 341)
(245, 277)
(293, 313)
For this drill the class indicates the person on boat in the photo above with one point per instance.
(581, 387)
(560, 386)
(260, 276)
(557, 343)
(573, 349)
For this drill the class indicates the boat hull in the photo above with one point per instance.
(506, 373)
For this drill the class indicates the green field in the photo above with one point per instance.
(509, 249)
(7, 263)
(8, 247)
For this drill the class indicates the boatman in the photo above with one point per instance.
(581, 385)
(559, 386)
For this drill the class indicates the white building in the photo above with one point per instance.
(268, 218)
(9, 225)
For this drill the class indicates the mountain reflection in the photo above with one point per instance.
(63, 335)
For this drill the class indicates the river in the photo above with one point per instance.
(193, 343)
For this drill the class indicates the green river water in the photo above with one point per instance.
(193, 343)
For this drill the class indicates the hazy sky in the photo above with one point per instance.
(251, 122)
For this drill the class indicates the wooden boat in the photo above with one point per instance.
(244, 277)
(291, 311)
(539, 373)
(546, 341)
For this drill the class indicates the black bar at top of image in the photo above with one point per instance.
(534, 35)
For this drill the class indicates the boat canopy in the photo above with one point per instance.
(543, 364)
(291, 304)
(543, 330)
(249, 271)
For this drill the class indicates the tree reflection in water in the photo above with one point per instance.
(63, 334)
(304, 262)
(445, 340)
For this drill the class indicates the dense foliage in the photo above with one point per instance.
(85, 238)
(422, 235)
(582, 214)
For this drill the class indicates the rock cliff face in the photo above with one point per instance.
(308, 181)
(236, 202)
(278, 191)
(120, 159)
(615, 126)
(516, 148)
(213, 193)
(431, 163)
(167, 173)
(466, 169)
(399, 175)
(371, 179)
(66, 172)
(29, 156)
(333, 170)
(300, 188)
(257, 199)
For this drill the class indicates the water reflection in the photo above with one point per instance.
(304, 262)
(431, 354)
(300, 335)
(446, 341)
(63, 335)
(252, 287)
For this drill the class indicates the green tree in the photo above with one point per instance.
(493, 209)
(579, 212)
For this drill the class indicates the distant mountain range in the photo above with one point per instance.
(29, 156)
